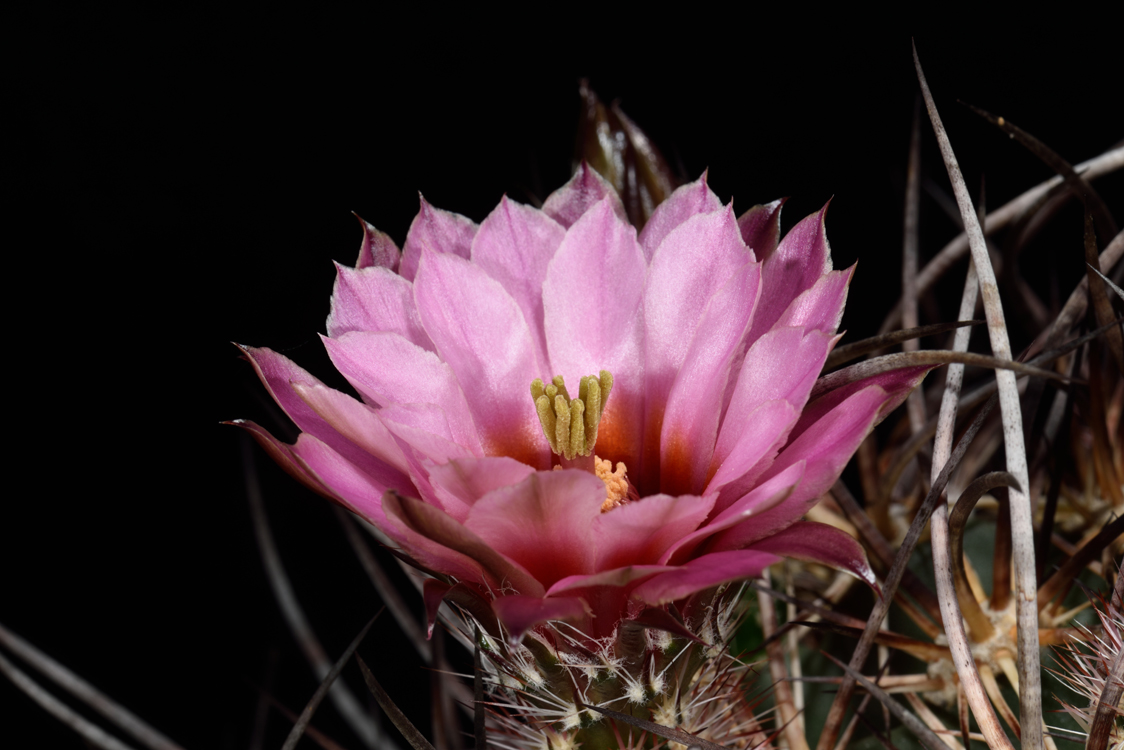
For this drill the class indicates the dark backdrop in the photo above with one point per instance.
(186, 180)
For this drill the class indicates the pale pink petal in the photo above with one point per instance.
(417, 431)
(640, 532)
(592, 300)
(437, 526)
(821, 307)
(545, 523)
(459, 483)
(693, 262)
(387, 369)
(798, 263)
(514, 246)
(703, 573)
(377, 249)
(820, 543)
(690, 424)
(761, 228)
(617, 578)
(687, 201)
(585, 189)
(437, 231)
(480, 333)
(375, 299)
(741, 512)
(353, 420)
(521, 613)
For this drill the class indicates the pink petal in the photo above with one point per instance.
(694, 405)
(765, 433)
(898, 384)
(592, 300)
(521, 613)
(353, 420)
(377, 249)
(441, 531)
(459, 483)
(740, 514)
(640, 532)
(689, 200)
(821, 307)
(437, 231)
(480, 333)
(375, 299)
(545, 523)
(387, 369)
(825, 450)
(616, 578)
(283, 454)
(278, 373)
(781, 365)
(703, 573)
(585, 189)
(820, 543)
(514, 245)
(694, 261)
(800, 260)
(359, 487)
(761, 228)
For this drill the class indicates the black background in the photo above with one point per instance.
(185, 180)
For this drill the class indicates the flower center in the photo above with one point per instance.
(571, 427)
(571, 424)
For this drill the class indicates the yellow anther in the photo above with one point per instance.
(570, 425)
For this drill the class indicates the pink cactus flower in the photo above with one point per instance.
(574, 420)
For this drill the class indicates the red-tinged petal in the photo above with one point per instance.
(521, 613)
(585, 189)
(781, 365)
(283, 454)
(514, 245)
(545, 523)
(375, 299)
(741, 511)
(433, 595)
(353, 420)
(480, 333)
(616, 578)
(821, 307)
(798, 263)
(703, 573)
(761, 228)
(820, 543)
(387, 369)
(439, 232)
(640, 532)
(592, 300)
(441, 530)
(689, 200)
(377, 249)
(694, 405)
(459, 483)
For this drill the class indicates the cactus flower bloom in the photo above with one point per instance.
(576, 421)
